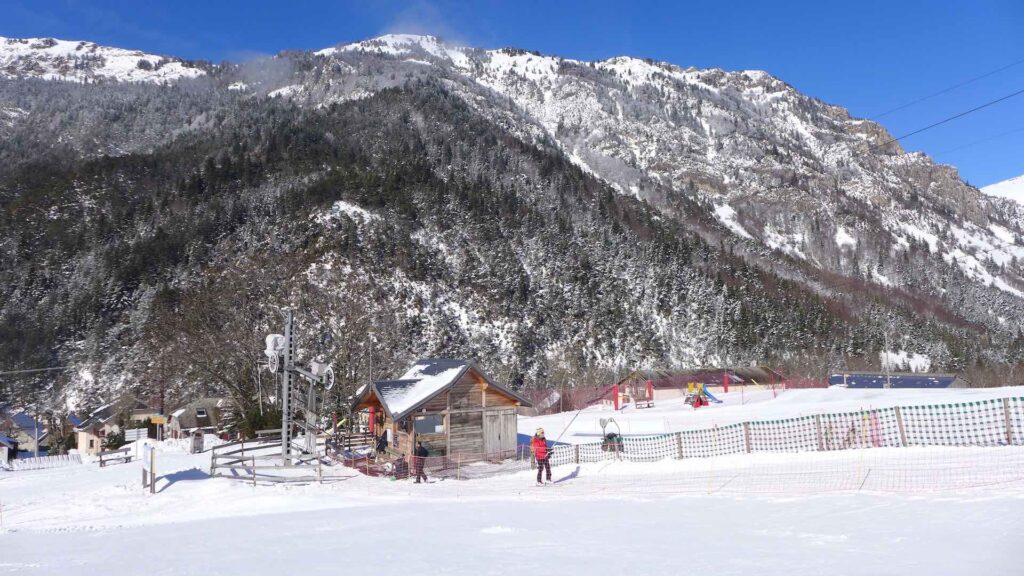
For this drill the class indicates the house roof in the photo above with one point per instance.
(98, 416)
(7, 441)
(897, 379)
(104, 413)
(187, 416)
(23, 424)
(426, 379)
(28, 425)
(74, 420)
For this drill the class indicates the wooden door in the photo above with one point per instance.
(492, 431)
(499, 431)
(511, 431)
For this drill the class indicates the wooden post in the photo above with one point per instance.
(899, 424)
(821, 439)
(746, 436)
(152, 471)
(679, 445)
(254, 471)
(458, 467)
(1009, 422)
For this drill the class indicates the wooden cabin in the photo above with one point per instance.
(451, 406)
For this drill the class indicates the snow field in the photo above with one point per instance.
(611, 518)
(916, 510)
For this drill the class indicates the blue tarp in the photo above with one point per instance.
(873, 380)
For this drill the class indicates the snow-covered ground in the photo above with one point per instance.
(879, 511)
(741, 405)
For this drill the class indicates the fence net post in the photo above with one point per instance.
(746, 436)
(817, 427)
(679, 445)
(899, 424)
(1009, 421)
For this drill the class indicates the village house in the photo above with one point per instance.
(451, 406)
(28, 433)
(104, 420)
(204, 414)
(8, 449)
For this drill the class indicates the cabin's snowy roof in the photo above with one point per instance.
(418, 384)
(426, 379)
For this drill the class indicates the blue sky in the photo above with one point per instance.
(868, 56)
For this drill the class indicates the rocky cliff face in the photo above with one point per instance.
(549, 217)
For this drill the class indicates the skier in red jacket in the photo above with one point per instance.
(539, 448)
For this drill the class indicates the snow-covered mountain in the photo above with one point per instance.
(1011, 189)
(779, 170)
(53, 59)
(541, 214)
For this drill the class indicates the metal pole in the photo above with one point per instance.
(885, 361)
(286, 385)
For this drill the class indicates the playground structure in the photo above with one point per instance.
(697, 395)
(642, 388)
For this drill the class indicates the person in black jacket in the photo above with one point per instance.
(419, 460)
(382, 444)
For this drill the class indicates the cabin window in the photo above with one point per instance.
(430, 424)
(91, 443)
(200, 412)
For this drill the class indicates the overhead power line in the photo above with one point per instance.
(123, 363)
(949, 89)
(32, 370)
(981, 140)
(949, 119)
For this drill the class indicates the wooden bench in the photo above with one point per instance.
(122, 455)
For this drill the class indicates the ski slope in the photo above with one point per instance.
(908, 511)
